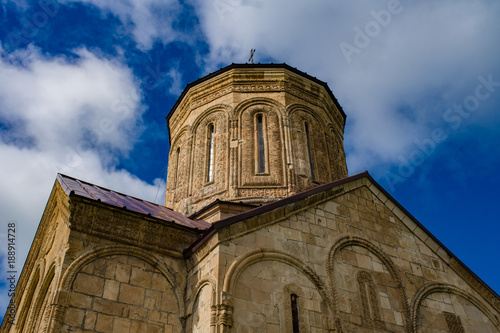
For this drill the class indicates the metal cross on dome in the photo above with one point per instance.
(252, 51)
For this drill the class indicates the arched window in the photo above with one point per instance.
(309, 152)
(210, 153)
(261, 144)
(370, 303)
(294, 299)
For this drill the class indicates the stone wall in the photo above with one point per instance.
(358, 266)
(121, 293)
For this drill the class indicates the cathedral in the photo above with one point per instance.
(262, 230)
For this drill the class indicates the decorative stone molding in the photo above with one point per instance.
(129, 228)
(211, 282)
(460, 269)
(454, 323)
(26, 300)
(322, 118)
(222, 112)
(338, 326)
(207, 281)
(446, 288)
(43, 298)
(57, 205)
(225, 311)
(359, 241)
(370, 302)
(256, 103)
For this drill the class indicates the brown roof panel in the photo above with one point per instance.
(73, 186)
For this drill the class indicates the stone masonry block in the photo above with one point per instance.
(107, 307)
(82, 301)
(104, 323)
(88, 284)
(74, 317)
(140, 277)
(111, 289)
(131, 295)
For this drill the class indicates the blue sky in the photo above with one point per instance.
(85, 87)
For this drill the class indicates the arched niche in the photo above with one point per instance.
(448, 308)
(26, 304)
(210, 154)
(364, 281)
(310, 152)
(42, 305)
(201, 313)
(259, 286)
(269, 113)
(177, 175)
(115, 286)
(336, 153)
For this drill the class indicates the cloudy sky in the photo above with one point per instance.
(85, 87)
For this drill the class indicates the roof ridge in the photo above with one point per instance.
(110, 190)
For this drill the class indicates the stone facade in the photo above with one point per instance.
(342, 256)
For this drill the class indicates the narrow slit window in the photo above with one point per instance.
(210, 153)
(309, 152)
(295, 313)
(176, 171)
(261, 156)
(178, 156)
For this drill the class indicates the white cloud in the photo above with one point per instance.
(395, 89)
(147, 20)
(177, 85)
(75, 116)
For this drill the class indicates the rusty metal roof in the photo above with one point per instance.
(73, 186)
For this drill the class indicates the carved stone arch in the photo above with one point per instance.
(259, 101)
(209, 178)
(250, 173)
(263, 254)
(177, 177)
(212, 283)
(178, 136)
(26, 303)
(223, 108)
(336, 151)
(62, 295)
(228, 299)
(43, 300)
(293, 108)
(447, 288)
(309, 146)
(332, 129)
(393, 271)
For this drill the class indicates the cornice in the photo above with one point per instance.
(126, 227)
(240, 78)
